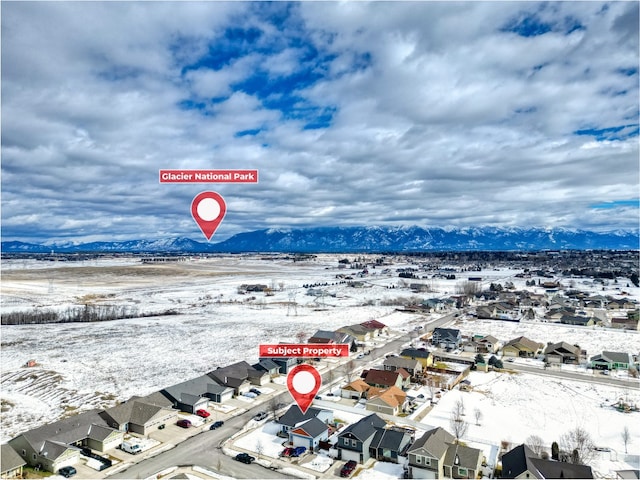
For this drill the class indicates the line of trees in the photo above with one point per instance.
(86, 313)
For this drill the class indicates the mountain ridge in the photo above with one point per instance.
(372, 239)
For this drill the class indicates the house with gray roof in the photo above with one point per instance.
(194, 394)
(522, 462)
(58, 444)
(446, 337)
(563, 353)
(611, 361)
(269, 366)
(138, 417)
(294, 417)
(10, 462)
(390, 443)
(309, 434)
(239, 376)
(437, 455)
(394, 363)
(355, 440)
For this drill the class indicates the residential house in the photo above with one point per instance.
(360, 333)
(309, 434)
(420, 354)
(628, 323)
(376, 327)
(522, 462)
(436, 455)
(195, 394)
(327, 336)
(522, 347)
(390, 443)
(563, 353)
(577, 320)
(412, 366)
(58, 444)
(269, 366)
(10, 462)
(354, 441)
(284, 363)
(446, 338)
(138, 417)
(239, 376)
(384, 378)
(355, 390)
(486, 312)
(482, 344)
(611, 361)
(390, 400)
(294, 417)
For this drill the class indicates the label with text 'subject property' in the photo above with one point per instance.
(308, 350)
(208, 176)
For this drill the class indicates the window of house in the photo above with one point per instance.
(34, 456)
(354, 443)
(427, 461)
(418, 459)
(462, 471)
(24, 452)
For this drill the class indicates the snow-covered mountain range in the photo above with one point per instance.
(364, 239)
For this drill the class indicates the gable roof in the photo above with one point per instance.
(9, 458)
(553, 469)
(517, 461)
(400, 362)
(415, 353)
(392, 396)
(562, 347)
(389, 438)
(435, 442)
(311, 428)
(525, 342)
(358, 385)
(446, 333)
(463, 456)
(373, 325)
(612, 357)
(381, 377)
(364, 428)
(134, 411)
(196, 386)
(294, 415)
(266, 364)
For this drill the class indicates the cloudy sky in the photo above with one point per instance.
(386, 113)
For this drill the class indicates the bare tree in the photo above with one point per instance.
(273, 408)
(580, 444)
(301, 337)
(478, 414)
(348, 370)
(469, 289)
(458, 425)
(536, 444)
(626, 437)
(259, 448)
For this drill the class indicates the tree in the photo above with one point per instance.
(626, 437)
(555, 451)
(580, 441)
(259, 448)
(348, 370)
(479, 358)
(458, 425)
(535, 443)
(478, 414)
(301, 336)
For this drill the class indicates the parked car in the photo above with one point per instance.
(249, 395)
(184, 423)
(286, 452)
(215, 425)
(244, 458)
(202, 413)
(256, 391)
(298, 451)
(360, 355)
(260, 416)
(348, 468)
(67, 472)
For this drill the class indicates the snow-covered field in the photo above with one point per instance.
(88, 365)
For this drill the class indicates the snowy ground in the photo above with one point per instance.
(88, 365)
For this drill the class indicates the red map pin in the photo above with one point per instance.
(303, 383)
(208, 210)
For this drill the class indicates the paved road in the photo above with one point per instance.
(600, 379)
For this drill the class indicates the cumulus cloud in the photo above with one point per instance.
(354, 113)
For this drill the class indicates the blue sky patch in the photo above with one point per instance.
(611, 133)
(617, 204)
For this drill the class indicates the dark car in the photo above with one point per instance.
(215, 425)
(298, 451)
(67, 472)
(184, 423)
(244, 458)
(348, 468)
(256, 391)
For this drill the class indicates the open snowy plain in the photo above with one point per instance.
(87, 365)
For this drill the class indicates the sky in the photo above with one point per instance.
(501, 114)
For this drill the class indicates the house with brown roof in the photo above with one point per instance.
(385, 378)
(390, 400)
(563, 353)
(355, 390)
(522, 347)
(376, 327)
